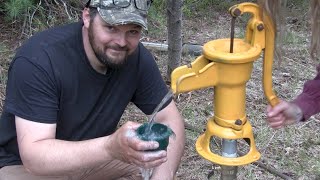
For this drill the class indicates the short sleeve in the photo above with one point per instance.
(31, 91)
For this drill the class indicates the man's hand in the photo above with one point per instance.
(283, 114)
(127, 147)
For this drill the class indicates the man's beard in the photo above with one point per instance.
(104, 58)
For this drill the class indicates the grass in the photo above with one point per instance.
(5, 58)
(4, 66)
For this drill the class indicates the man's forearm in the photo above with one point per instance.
(167, 170)
(172, 118)
(57, 157)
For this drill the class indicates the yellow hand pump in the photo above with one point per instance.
(228, 73)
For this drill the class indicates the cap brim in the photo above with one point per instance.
(120, 17)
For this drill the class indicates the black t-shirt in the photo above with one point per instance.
(51, 81)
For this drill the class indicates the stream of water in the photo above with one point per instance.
(146, 173)
(152, 116)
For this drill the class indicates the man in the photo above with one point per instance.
(66, 91)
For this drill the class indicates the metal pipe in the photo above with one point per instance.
(233, 21)
(229, 149)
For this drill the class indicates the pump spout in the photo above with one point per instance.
(202, 71)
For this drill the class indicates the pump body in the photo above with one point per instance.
(228, 73)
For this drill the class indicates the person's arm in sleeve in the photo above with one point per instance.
(309, 100)
(300, 109)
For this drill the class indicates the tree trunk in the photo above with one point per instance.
(174, 20)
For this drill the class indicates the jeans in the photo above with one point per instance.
(112, 170)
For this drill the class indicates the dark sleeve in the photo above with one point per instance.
(309, 99)
(151, 86)
(31, 93)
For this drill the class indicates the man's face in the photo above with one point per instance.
(113, 44)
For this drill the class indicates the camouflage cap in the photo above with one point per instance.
(116, 16)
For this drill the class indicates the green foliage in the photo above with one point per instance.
(297, 4)
(2, 47)
(16, 9)
(188, 113)
(34, 15)
(157, 11)
(216, 4)
(192, 7)
(157, 17)
(77, 3)
(291, 37)
(316, 168)
(6, 54)
(158, 6)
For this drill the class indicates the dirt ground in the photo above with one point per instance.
(294, 151)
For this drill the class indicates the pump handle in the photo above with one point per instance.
(260, 32)
(268, 60)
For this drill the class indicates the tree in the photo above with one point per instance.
(174, 20)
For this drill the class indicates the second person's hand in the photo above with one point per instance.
(283, 114)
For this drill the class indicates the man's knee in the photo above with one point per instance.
(10, 173)
(18, 172)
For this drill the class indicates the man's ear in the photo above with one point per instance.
(86, 17)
